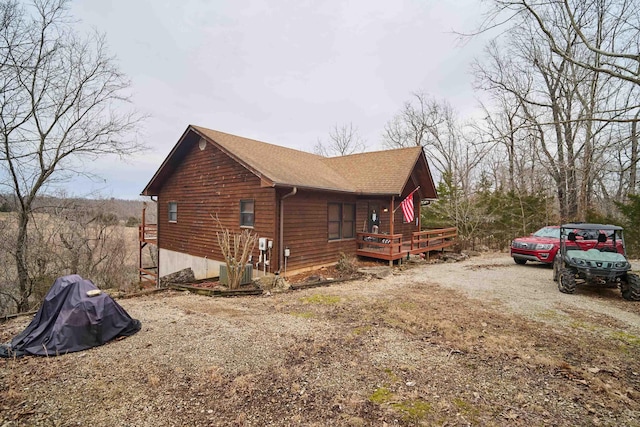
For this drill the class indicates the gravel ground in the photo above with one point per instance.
(479, 342)
(528, 289)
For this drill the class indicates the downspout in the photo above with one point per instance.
(281, 237)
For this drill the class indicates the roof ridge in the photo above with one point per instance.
(202, 128)
(414, 147)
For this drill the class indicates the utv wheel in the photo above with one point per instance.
(567, 282)
(631, 289)
(520, 261)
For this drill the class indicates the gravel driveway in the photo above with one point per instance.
(526, 289)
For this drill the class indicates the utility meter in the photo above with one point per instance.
(262, 243)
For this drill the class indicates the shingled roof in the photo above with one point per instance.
(376, 173)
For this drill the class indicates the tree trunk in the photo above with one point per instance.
(633, 168)
(24, 284)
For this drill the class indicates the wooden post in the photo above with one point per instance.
(419, 212)
(391, 214)
(391, 230)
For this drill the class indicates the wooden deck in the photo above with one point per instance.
(393, 247)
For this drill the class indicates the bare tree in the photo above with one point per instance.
(343, 140)
(610, 30)
(569, 110)
(236, 249)
(90, 242)
(417, 123)
(60, 107)
(432, 124)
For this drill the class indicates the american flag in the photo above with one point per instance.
(408, 207)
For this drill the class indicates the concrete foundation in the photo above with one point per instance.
(203, 268)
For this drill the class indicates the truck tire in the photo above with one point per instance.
(567, 281)
(520, 261)
(631, 289)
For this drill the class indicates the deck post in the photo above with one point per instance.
(391, 211)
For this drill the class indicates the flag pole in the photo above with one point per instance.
(410, 194)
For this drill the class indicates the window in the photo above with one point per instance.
(173, 211)
(348, 221)
(341, 221)
(247, 213)
(335, 222)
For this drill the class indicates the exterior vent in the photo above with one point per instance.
(247, 275)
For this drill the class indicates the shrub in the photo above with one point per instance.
(132, 221)
(347, 264)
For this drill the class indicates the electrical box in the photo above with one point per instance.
(287, 252)
(262, 243)
(270, 244)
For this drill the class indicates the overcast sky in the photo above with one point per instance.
(283, 72)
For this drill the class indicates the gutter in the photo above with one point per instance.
(281, 237)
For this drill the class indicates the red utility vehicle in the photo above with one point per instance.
(542, 246)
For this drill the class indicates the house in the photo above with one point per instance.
(307, 208)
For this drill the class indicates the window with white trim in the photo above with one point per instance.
(173, 212)
(247, 213)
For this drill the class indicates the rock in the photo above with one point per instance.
(272, 283)
(416, 259)
(183, 276)
(453, 257)
(377, 272)
(314, 278)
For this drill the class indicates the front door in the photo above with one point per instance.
(374, 218)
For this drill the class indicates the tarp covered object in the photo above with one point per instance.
(71, 320)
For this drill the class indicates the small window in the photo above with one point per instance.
(341, 221)
(173, 211)
(247, 214)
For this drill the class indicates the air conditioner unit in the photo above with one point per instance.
(247, 275)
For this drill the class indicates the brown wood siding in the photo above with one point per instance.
(399, 227)
(207, 183)
(306, 229)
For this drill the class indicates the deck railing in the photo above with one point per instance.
(392, 247)
(434, 239)
(382, 246)
(148, 275)
(148, 233)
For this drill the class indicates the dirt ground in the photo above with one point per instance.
(479, 342)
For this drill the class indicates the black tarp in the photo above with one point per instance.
(70, 320)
